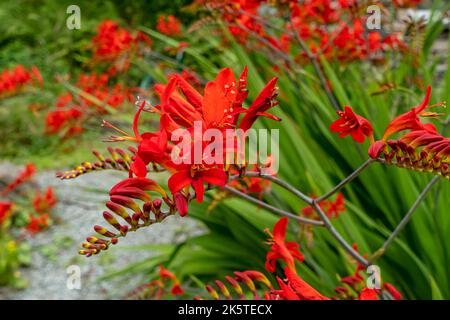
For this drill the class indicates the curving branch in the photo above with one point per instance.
(355, 254)
(315, 205)
(350, 178)
(405, 219)
(272, 208)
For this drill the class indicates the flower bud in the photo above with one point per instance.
(104, 232)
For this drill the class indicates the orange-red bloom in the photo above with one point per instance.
(37, 223)
(419, 135)
(280, 249)
(411, 121)
(169, 25)
(352, 124)
(13, 81)
(43, 203)
(181, 107)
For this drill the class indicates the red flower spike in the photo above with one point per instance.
(411, 121)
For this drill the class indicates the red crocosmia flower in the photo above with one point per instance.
(169, 25)
(280, 249)
(151, 149)
(368, 294)
(196, 176)
(411, 121)
(58, 119)
(220, 105)
(37, 224)
(264, 101)
(111, 40)
(43, 203)
(420, 134)
(115, 46)
(5, 211)
(16, 80)
(352, 124)
(217, 108)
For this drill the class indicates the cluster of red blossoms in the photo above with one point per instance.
(421, 148)
(169, 25)
(42, 204)
(320, 24)
(292, 286)
(16, 80)
(95, 96)
(181, 107)
(116, 45)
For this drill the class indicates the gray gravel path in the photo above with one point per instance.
(79, 209)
